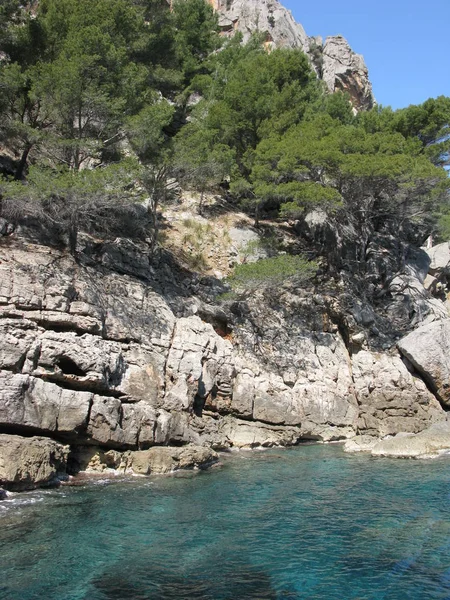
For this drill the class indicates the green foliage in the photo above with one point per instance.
(84, 83)
(272, 272)
(145, 130)
(102, 201)
(196, 33)
(327, 164)
(200, 162)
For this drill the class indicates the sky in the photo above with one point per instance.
(405, 43)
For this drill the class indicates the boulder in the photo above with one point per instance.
(3, 494)
(27, 463)
(440, 259)
(158, 460)
(427, 349)
(34, 404)
(161, 460)
(245, 434)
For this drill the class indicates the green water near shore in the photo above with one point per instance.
(305, 523)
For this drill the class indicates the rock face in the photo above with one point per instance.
(427, 349)
(390, 398)
(269, 16)
(345, 71)
(26, 463)
(439, 259)
(334, 61)
(120, 365)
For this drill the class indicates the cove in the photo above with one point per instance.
(305, 523)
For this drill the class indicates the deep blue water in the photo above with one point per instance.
(306, 523)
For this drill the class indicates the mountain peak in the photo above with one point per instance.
(334, 61)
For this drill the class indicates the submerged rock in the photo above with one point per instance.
(27, 463)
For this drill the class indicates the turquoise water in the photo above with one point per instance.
(306, 523)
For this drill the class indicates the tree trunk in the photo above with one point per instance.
(18, 175)
(257, 216)
(73, 237)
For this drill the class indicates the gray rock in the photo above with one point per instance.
(199, 361)
(346, 71)
(162, 460)
(250, 16)
(100, 359)
(28, 402)
(105, 422)
(439, 259)
(390, 398)
(335, 61)
(412, 303)
(27, 463)
(360, 443)
(427, 350)
(430, 443)
(3, 494)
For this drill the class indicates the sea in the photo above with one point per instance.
(310, 522)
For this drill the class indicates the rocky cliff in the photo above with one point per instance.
(334, 61)
(115, 354)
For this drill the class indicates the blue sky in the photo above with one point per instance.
(406, 43)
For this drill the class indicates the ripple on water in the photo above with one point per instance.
(305, 523)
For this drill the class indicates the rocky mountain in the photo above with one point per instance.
(128, 352)
(335, 62)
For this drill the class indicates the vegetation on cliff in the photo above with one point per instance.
(98, 95)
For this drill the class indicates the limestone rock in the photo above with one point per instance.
(27, 463)
(428, 444)
(162, 460)
(199, 365)
(28, 402)
(335, 62)
(427, 349)
(267, 16)
(244, 434)
(346, 71)
(99, 358)
(440, 259)
(412, 303)
(360, 443)
(390, 398)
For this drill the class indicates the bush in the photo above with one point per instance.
(271, 272)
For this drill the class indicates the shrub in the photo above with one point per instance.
(271, 272)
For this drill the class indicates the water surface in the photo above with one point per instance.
(305, 523)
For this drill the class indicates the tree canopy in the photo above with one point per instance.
(87, 85)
